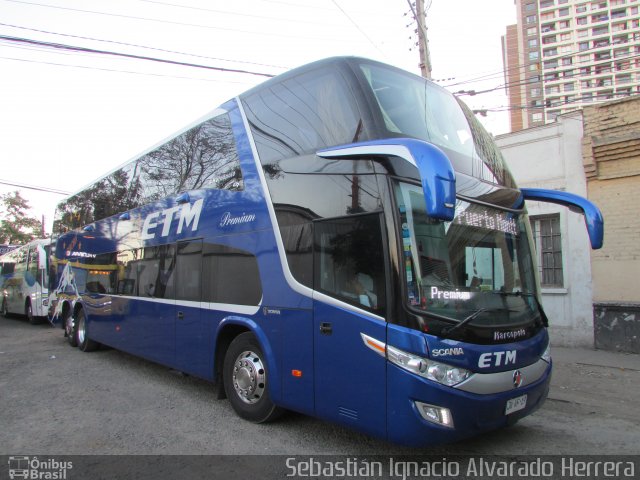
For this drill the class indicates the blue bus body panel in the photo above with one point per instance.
(472, 414)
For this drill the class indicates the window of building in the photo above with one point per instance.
(533, 43)
(584, 58)
(548, 16)
(565, 49)
(553, 89)
(585, 71)
(619, 13)
(583, 33)
(546, 3)
(530, 7)
(603, 30)
(551, 63)
(581, 20)
(567, 61)
(533, 55)
(581, 8)
(532, 31)
(548, 52)
(598, 5)
(535, 92)
(531, 19)
(565, 37)
(549, 39)
(583, 46)
(564, 24)
(548, 242)
(548, 27)
(615, 3)
(563, 12)
(568, 73)
(619, 27)
(536, 117)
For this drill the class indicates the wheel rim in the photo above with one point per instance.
(81, 330)
(249, 379)
(68, 325)
(29, 312)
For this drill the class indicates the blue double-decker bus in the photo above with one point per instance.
(344, 240)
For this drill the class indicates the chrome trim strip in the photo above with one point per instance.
(488, 383)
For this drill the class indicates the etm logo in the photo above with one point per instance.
(497, 359)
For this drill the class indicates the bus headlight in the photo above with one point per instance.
(435, 371)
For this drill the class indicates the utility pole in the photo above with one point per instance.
(423, 42)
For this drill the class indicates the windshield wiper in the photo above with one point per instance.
(464, 321)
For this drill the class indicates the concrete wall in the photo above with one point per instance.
(550, 156)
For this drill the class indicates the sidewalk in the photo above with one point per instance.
(590, 356)
(602, 382)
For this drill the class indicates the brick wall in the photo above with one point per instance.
(611, 158)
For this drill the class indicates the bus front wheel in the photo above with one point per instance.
(245, 380)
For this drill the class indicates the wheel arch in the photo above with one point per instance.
(228, 329)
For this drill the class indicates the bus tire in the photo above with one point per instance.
(28, 312)
(5, 310)
(84, 342)
(71, 329)
(245, 380)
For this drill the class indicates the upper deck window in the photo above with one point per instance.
(204, 156)
(302, 114)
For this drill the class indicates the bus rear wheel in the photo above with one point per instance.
(71, 329)
(5, 310)
(28, 312)
(245, 380)
(84, 342)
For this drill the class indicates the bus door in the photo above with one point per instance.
(193, 353)
(350, 378)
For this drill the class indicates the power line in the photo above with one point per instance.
(32, 187)
(27, 41)
(170, 22)
(24, 60)
(358, 27)
(140, 46)
(226, 12)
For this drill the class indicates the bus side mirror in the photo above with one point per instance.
(436, 172)
(576, 203)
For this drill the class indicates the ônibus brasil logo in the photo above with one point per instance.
(35, 468)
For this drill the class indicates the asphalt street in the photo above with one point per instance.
(57, 400)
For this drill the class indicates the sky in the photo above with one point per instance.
(68, 117)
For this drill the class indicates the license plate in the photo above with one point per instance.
(516, 404)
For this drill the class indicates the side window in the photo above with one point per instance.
(155, 272)
(348, 260)
(230, 276)
(128, 272)
(189, 270)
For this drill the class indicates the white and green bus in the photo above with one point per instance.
(24, 281)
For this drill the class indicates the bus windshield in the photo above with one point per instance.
(411, 106)
(477, 265)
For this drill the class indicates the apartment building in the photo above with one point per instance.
(565, 54)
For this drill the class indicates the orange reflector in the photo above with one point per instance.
(376, 346)
(296, 373)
